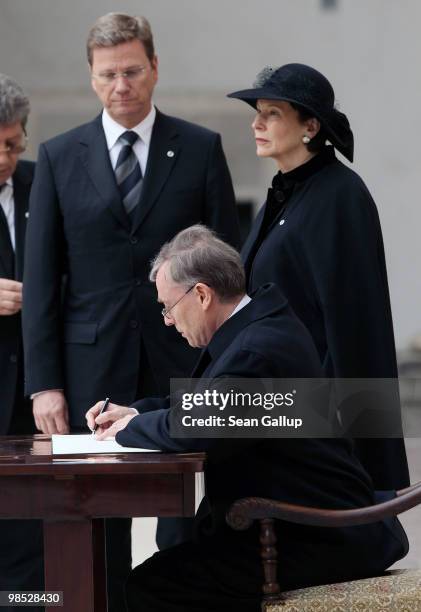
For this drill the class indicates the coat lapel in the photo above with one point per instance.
(6, 252)
(249, 248)
(266, 301)
(163, 153)
(22, 180)
(96, 159)
(202, 364)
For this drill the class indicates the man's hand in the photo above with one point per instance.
(10, 296)
(103, 434)
(51, 413)
(110, 421)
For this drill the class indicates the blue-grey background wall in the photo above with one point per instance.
(369, 49)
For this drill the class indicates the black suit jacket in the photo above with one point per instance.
(266, 340)
(263, 340)
(84, 336)
(11, 266)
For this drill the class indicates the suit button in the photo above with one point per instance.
(13, 358)
(138, 282)
(134, 240)
(133, 324)
(279, 196)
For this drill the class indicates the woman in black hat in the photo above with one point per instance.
(318, 237)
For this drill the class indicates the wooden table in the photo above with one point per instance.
(74, 494)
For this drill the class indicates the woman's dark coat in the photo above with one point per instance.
(318, 237)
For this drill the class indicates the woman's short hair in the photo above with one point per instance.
(116, 28)
(14, 103)
(197, 255)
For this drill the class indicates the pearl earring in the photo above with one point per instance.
(306, 139)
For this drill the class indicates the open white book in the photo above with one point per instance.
(80, 444)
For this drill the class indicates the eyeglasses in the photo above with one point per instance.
(166, 311)
(15, 148)
(131, 74)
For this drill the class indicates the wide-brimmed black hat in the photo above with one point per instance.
(308, 88)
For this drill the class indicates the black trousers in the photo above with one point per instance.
(119, 560)
(223, 572)
(21, 542)
(191, 577)
(171, 531)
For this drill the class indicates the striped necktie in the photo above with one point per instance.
(128, 172)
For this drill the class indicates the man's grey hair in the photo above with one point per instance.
(116, 28)
(14, 103)
(197, 255)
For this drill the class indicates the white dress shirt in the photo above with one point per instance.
(246, 299)
(8, 205)
(114, 130)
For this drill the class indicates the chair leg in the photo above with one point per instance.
(269, 554)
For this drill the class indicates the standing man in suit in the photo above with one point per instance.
(21, 566)
(106, 196)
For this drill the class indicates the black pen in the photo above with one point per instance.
(103, 409)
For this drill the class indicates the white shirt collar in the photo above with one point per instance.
(246, 299)
(9, 182)
(114, 130)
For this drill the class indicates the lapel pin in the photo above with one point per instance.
(282, 221)
(27, 215)
(170, 153)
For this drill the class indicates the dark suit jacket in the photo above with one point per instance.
(89, 342)
(11, 266)
(263, 340)
(325, 252)
(266, 340)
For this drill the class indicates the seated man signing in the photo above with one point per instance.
(200, 282)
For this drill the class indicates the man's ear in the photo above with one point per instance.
(204, 294)
(93, 83)
(154, 67)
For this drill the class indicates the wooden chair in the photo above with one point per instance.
(397, 591)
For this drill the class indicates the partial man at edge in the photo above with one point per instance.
(21, 558)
